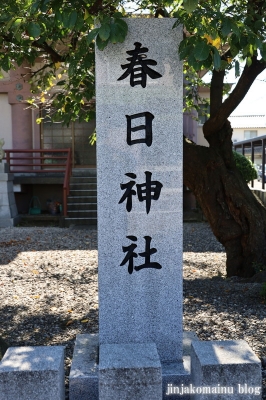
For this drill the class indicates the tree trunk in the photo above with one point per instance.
(237, 218)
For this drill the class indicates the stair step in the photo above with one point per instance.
(82, 214)
(83, 192)
(82, 206)
(81, 221)
(77, 179)
(83, 186)
(84, 172)
(82, 199)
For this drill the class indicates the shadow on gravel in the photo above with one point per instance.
(198, 238)
(220, 292)
(38, 239)
(18, 328)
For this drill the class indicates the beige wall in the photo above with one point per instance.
(238, 133)
(6, 121)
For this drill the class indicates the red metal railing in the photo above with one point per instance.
(41, 161)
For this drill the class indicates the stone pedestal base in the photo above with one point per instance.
(32, 373)
(129, 371)
(8, 208)
(225, 370)
(83, 378)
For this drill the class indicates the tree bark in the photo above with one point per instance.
(237, 218)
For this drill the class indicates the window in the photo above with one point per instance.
(250, 134)
(203, 113)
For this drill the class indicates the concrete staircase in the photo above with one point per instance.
(82, 199)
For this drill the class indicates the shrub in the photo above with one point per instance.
(263, 291)
(245, 167)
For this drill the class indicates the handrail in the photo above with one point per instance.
(66, 181)
(43, 167)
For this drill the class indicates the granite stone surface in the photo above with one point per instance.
(188, 337)
(83, 377)
(129, 371)
(32, 373)
(230, 368)
(8, 208)
(4, 167)
(7, 222)
(6, 176)
(145, 305)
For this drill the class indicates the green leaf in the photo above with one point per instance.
(234, 50)
(263, 51)
(243, 41)
(193, 62)
(190, 5)
(35, 7)
(72, 19)
(208, 62)
(226, 27)
(249, 61)
(101, 44)
(201, 51)
(122, 24)
(34, 29)
(117, 34)
(235, 29)
(5, 63)
(259, 24)
(44, 5)
(79, 23)
(185, 52)
(59, 16)
(104, 32)
(258, 43)
(216, 58)
(65, 19)
(237, 69)
(118, 15)
(92, 35)
(72, 68)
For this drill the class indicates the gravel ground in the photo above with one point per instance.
(48, 290)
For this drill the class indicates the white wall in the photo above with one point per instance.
(200, 137)
(6, 121)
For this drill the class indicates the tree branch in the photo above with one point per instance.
(216, 122)
(55, 57)
(33, 73)
(162, 12)
(216, 91)
(96, 7)
(99, 6)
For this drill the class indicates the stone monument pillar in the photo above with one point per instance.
(139, 89)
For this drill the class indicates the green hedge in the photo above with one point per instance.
(245, 166)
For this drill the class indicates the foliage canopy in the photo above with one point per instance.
(56, 39)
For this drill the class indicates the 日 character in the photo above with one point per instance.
(147, 127)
